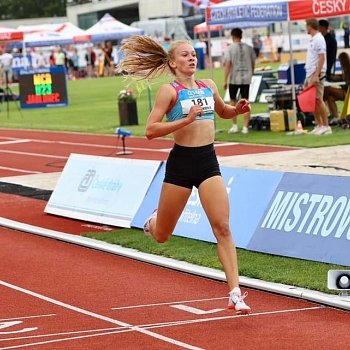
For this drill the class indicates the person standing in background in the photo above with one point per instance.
(332, 94)
(315, 75)
(257, 44)
(346, 35)
(108, 59)
(239, 68)
(60, 57)
(279, 45)
(331, 47)
(90, 58)
(6, 59)
(269, 48)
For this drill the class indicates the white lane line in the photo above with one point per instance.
(26, 317)
(194, 310)
(93, 145)
(15, 141)
(64, 333)
(100, 317)
(168, 303)
(33, 154)
(20, 170)
(165, 324)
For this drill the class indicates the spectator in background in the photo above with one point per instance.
(90, 58)
(269, 48)
(331, 47)
(60, 57)
(346, 35)
(239, 68)
(6, 59)
(108, 59)
(257, 44)
(332, 94)
(38, 59)
(315, 75)
(52, 58)
(75, 64)
(202, 44)
(279, 44)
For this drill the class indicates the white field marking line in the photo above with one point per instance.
(100, 317)
(100, 146)
(14, 141)
(65, 333)
(26, 317)
(21, 170)
(169, 324)
(34, 154)
(168, 303)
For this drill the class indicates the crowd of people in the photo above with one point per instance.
(239, 64)
(320, 70)
(91, 61)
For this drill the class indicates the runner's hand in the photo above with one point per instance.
(243, 106)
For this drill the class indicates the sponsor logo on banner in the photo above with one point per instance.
(249, 192)
(309, 213)
(308, 217)
(272, 12)
(102, 189)
(87, 180)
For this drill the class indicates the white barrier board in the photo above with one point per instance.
(102, 189)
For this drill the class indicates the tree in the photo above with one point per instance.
(18, 9)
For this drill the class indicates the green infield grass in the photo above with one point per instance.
(93, 108)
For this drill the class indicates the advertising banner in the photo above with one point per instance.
(308, 217)
(302, 9)
(101, 189)
(249, 192)
(238, 11)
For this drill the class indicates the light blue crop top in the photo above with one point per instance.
(186, 98)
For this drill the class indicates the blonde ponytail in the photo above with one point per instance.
(143, 58)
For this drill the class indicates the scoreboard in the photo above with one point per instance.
(45, 87)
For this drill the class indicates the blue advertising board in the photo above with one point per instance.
(308, 217)
(261, 11)
(249, 192)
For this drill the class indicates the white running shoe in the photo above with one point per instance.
(146, 226)
(323, 130)
(236, 302)
(245, 130)
(315, 129)
(328, 130)
(234, 129)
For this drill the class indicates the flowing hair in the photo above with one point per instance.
(145, 58)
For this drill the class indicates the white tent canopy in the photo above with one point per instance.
(108, 28)
(53, 34)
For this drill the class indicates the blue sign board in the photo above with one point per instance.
(258, 12)
(308, 217)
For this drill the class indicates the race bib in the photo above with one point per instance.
(196, 97)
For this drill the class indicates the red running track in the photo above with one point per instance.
(29, 152)
(56, 295)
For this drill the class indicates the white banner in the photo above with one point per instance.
(101, 189)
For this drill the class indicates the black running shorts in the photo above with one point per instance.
(190, 166)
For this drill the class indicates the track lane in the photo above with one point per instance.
(91, 292)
